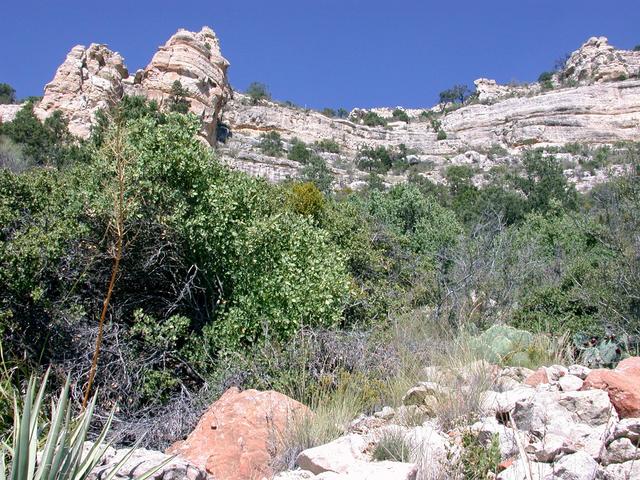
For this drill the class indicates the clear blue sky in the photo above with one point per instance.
(337, 53)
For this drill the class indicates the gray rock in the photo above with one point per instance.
(144, 460)
(621, 450)
(577, 466)
(570, 383)
(621, 471)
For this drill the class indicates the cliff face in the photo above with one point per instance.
(594, 99)
(95, 77)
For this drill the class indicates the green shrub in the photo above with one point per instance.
(317, 172)
(400, 115)
(546, 80)
(7, 94)
(271, 144)
(328, 145)
(441, 135)
(257, 92)
(372, 119)
(456, 94)
(328, 112)
(178, 101)
(479, 460)
(306, 199)
(298, 151)
(44, 143)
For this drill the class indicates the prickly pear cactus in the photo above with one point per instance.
(598, 354)
(503, 344)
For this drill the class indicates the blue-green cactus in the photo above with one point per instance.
(504, 344)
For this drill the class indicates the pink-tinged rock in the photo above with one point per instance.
(536, 378)
(622, 385)
(234, 439)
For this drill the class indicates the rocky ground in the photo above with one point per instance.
(558, 422)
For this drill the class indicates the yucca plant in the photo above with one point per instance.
(63, 436)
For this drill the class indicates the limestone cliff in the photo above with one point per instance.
(95, 77)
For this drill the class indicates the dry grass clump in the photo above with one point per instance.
(333, 411)
(393, 445)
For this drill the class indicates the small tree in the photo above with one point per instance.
(636, 48)
(456, 94)
(342, 113)
(257, 92)
(178, 101)
(7, 94)
(328, 112)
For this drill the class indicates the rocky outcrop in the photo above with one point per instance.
(94, 78)
(235, 438)
(8, 112)
(89, 79)
(597, 61)
(545, 430)
(195, 60)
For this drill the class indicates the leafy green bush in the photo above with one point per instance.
(456, 94)
(442, 135)
(479, 460)
(271, 144)
(372, 119)
(7, 94)
(47, 143)
(546, 80)
(306, 199)
(327, 145)
(401, 115)
(178, 101)
(317, 172)
(382, 159)
(298, 151)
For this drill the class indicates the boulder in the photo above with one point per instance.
(235, 438)
(337, 456)
(622, 385)
(488, 427)
(570, 383)
(622, 471)
(577, 466)
(520, 469)
(144, 460)
(621, 450)
(425, 394)
(627, 428)
(536, 378)
(596, 61)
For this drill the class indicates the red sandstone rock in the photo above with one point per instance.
(537, 377)
(622, 384)
(234, 439)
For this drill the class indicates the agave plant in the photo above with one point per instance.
(62, 457)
